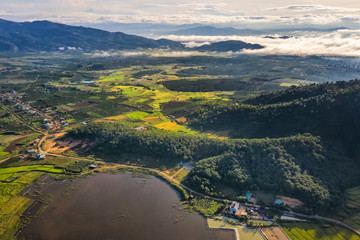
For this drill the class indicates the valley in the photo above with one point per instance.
(200, 123)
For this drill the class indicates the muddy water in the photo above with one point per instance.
(118, 206)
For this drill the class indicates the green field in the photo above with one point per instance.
(15, 179)
(244, 233)
(312, 231)
(41, 168)
(12, 205)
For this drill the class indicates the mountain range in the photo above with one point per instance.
(49, 36)
(229, 31)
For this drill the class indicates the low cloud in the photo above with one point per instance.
(4, 13)
(316, 8)
(339, 43)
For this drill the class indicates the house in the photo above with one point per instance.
(92, 166)
(278, 202)
(40, 156)
(242, 214)
(88, 81)
(234, 207)
(31, 150)
(140, 128)
(47, 125)
(248, 195)
(241, 211)
(83, 123)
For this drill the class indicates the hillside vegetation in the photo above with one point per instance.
(298, 166)
(329, 110)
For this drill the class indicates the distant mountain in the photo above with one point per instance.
(140, 29)
(49, 36)
(227, 46)
(284, 30)
(213, 31)
(229, 31)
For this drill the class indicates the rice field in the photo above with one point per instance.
(12, 205)
(41, 168)
(315, 231)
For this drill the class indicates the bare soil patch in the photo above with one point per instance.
(291, 202)
(274, 233)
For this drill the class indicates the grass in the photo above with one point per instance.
(137, 115)
(316, 231)
(4, 154)
(244, 233)
(205, 206)
(29, 139)
(181, 175)
(5, 141)
(258, 223)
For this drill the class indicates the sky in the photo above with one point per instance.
(249, 13)
(256, 14)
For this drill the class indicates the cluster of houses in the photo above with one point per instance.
(34, 154)
(252, 212)
(238, 209)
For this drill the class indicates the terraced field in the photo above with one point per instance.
(311, 231)
(350, 213)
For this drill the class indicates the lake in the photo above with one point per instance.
(117, 206)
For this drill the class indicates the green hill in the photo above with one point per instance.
(329, 110)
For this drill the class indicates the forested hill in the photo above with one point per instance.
(49, 36)
(297, 166)
(329, 110)
(226, 46)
